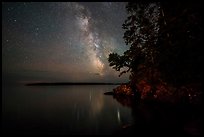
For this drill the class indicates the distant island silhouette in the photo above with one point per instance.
(69, 83)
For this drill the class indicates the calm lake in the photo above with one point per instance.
(73, 109)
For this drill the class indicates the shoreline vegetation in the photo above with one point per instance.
(70, 83)
(188, 94)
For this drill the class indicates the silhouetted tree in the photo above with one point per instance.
(141, 35)
(165, 37)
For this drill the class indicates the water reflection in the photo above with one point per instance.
(125, 100)
(97, 104)
(61, 110)
(160, 119)
(118, 115)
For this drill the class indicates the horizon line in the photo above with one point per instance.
(72, 83)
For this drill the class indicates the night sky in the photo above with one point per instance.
(61, 42)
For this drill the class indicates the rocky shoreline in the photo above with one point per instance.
(164, 93)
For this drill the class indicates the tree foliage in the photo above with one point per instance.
(168, 39)
(141, 35)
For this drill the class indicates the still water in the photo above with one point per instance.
(84, 109)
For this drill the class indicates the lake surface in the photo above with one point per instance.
(62, 110)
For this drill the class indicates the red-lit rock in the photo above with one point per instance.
(124, 89)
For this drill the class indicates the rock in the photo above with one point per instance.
(124, 89)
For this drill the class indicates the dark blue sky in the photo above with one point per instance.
(61, 41)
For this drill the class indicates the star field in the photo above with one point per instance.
(61, 41)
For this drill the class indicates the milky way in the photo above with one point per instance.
(90, 39)
(61, 41)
